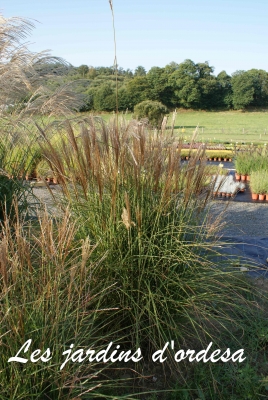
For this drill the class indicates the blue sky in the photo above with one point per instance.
(230, 34)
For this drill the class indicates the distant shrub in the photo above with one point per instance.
(153, 110)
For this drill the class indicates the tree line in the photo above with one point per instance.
(187, 85)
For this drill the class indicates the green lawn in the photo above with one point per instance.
(221, 126)
(231, 126)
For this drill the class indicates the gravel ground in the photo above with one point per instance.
(45, 198)
(242, 218)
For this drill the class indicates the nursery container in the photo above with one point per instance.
(254, 196)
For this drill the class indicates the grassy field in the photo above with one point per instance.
(221, 126)
(228, 126)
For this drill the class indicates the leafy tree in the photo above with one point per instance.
(104, 98)
(128, 73)
(138, 90)
(153, 110)
(140, 71)
(88, 99)
(184, 82)
(250, 88)
(83, 70)
(194, 85)
(92, 73)
(160, 89)
(207, 84)
(243, 89)
(124, 100)
(224, 94)
(260, 84)
(104, 70)
(171, 67)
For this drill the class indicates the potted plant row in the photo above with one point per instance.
(248, 161)
(219, 155)
(259, 185)
(214, 155)
(242, 166)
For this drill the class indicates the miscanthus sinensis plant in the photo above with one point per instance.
(24, 93)
(50, 294)
(22, 74)
(148, 212)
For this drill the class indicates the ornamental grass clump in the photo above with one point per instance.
(243, 163)
(148, 214)
(259, 161)
(18, 156)
(133, 260)
(19, 152)
(251, 160)
(24, 90)
(50, 294)
(259, 182)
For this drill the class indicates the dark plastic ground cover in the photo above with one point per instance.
(246, 252)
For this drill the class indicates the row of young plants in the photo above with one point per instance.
(259, 185)
(253, 166)
(210, 155)
(251, 160)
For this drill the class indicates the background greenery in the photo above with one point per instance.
(189, 85)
